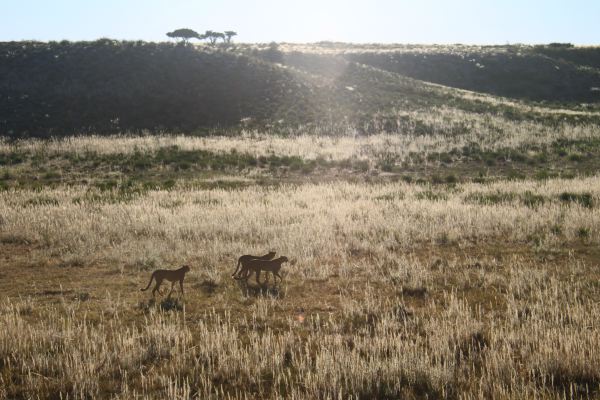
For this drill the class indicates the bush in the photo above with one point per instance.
(451, 179)
(584, 199)
(532, 200)
(575, 157)
(583, 233)
(271, 54)
(556, 45)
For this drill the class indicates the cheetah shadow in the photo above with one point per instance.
(166, 304)
(264, 290)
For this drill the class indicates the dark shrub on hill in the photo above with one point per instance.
(271, 54)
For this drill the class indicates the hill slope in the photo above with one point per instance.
(108, 86)
(548, 73)
(54, 89)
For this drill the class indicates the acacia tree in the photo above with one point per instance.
(229, 35)
(212, 37)
(184, 33)
(220, 35)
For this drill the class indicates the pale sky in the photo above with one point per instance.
(384, 21)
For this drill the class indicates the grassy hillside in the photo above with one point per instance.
(551, 73)
(105, 87)
(507, 72)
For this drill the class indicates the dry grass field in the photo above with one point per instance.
(439, 282)
(438, 205)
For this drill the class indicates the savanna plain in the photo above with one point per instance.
(456, 257)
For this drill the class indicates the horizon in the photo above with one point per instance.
(389, 22)
(314, 43)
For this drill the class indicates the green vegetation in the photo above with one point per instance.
(583, 199)
(21, 167)
(527, 198)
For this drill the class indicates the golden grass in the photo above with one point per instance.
(450, 129)
(409, 291)
(541, 342)
(170, 225)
